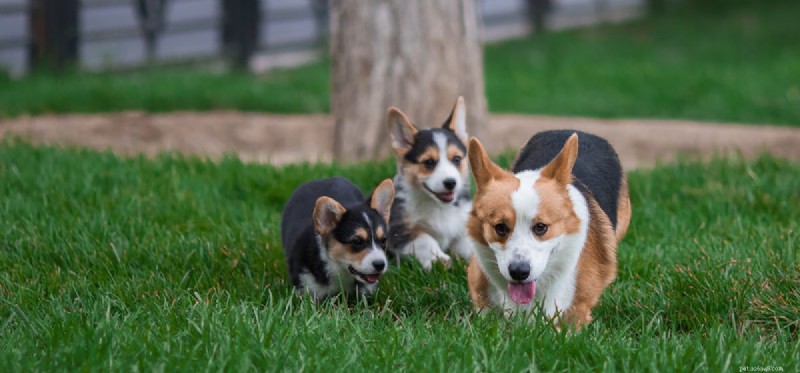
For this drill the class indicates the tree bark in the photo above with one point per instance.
(417, 55)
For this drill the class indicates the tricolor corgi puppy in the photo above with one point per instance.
(432, 181)
(335, 238)
(546, 235)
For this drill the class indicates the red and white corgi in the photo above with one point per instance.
(546, 235)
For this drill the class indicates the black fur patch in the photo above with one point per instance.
(354, 219)
(399, 234)
(424, 140)
(597, 172)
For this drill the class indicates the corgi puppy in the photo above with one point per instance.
(546, 235)
(433, 200)
(335, 238)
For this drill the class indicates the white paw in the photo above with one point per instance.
(464, 247)
(427, 251)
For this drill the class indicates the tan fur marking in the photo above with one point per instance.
(337, 250)
(430, 153)
(478, 285)
(492, 206)
(400, 153)
(326, 215)
(483, 169)
(452, 152)
(362, 234)
(560, 168)
(401, 131)
(623, 209)
(555, 209)
(414, 171)
(597, 267)
(343, 253)
(379, 233)
(475, 228)
(419, 229)
(382, 198)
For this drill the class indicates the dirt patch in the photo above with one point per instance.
(281, 139)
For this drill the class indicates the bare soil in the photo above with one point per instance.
(281, 139)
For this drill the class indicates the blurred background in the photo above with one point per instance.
(113, 34)
(338, 65)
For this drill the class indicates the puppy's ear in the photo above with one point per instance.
(382, 199)
(457, 122)
(327, 214)
(483, 169)
(401, 129)
(560, 168)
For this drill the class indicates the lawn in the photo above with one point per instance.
(175, 263)
(737, 63)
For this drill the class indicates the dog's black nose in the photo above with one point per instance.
(449, 184)
(379, 265)
(519, 270)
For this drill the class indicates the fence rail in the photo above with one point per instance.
(109, 34)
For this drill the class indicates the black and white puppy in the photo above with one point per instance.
(335, 238)
(432, 181)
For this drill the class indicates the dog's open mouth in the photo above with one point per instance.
(363, 277)
(445, 197)
(522, 292)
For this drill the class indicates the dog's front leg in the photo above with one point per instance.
(463, 246)
(427, 250)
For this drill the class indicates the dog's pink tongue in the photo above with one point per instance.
(446, 197)
(522, 293)
(372, 278)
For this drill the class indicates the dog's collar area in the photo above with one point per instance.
(363, 277)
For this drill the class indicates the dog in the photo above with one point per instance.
(546, 235)
(433, 201)
(335, 238)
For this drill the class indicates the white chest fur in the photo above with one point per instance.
(444, 222)
(440, 227)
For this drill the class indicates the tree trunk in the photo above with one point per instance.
(417, 55)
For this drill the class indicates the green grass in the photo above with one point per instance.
(737, 63)
(300, 90)
(175, 264)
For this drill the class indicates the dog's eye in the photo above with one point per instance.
(357, 242)
(539, 229)
(429, 163)
(457, 160)
(382, 242)
(501, 229)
